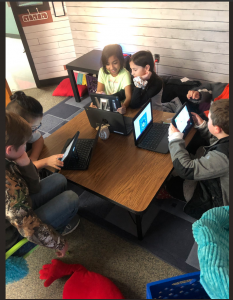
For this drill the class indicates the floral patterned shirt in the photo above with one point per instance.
(19, 182)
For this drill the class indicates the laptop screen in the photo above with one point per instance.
(106, 102)
(67, 150)
(143, 120)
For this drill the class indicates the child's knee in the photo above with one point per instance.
(59, 179)
(72, 198)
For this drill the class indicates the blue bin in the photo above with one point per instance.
(173, 288)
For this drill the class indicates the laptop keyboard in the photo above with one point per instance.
(154, 136)
(80, 158)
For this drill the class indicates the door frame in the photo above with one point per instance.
(17, 11)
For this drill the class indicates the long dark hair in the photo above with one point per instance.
(143, 58)
(110, 50)
(25, 106)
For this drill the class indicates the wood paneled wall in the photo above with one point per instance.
(192, 38)
(51, 46)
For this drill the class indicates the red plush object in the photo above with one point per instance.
(65, 89)
(83, 284)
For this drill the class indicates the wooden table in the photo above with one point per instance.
(119, 171)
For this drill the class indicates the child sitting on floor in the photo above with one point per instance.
(42, 211)
(204, 181)
(113, 77)
(31, 110)
(146, 83)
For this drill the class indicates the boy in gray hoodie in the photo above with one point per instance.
(203, 181)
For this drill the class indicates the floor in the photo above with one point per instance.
(44, 96)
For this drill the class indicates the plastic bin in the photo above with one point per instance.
(91, 83)
(175, 288)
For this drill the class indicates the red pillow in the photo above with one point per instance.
(65, 89)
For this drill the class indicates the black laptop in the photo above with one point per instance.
(149, 135)
(106, 102)
(78, 152)
(118, 123)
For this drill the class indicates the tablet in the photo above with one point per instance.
(183, 120)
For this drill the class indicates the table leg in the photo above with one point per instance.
(74, 85)
(139, 226)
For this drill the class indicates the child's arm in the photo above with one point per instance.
(100, 87)
(140, 97)
(37, 147)
(201, 125)
(51, 161)
(128, 93)
(202, 93)
(29, 173)
(215, 164)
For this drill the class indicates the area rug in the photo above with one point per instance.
(167, 229)
(62, 113)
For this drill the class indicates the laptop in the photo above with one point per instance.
(183, 119)
(106, 102)
(148, 135)
(78, 152)
(118, 123)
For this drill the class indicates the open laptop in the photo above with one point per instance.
(118, 123)
(106, 102)
(149, 135)
(78, 152)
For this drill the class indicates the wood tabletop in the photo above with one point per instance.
(118, 170)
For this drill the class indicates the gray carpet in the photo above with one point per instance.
(129, 266)
(62, 113)
(167, 229)
(44, 96)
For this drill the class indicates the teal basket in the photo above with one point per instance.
(177, 288)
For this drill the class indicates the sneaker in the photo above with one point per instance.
(71, 226)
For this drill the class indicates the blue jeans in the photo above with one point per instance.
(54, 205)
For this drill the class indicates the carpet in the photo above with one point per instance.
(167, 229)
(60, 114)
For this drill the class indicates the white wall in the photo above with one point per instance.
(51, 46)
(18, 71)
(192, 38)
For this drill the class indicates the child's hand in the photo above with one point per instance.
(147, 76)
(102, 92)
(197, 119)
(23, 160)
(61, 253)
(54, 162)
(193, 95)
(172, 129)
(92, 105)
(122, 109)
